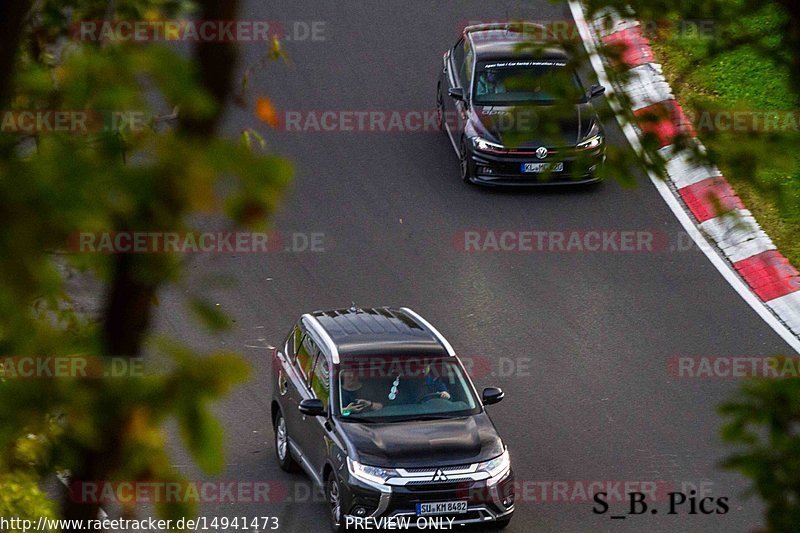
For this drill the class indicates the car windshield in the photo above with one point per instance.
(515, 82)
(389, 389)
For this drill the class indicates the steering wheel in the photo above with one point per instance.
(429, 396)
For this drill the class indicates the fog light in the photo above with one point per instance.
(360, 511)
(485, 170)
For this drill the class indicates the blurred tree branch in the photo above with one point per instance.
(101, 428)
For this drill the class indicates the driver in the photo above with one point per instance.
(434, 384)
(490, 83)
(352, 394)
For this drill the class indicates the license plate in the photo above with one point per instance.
(457, 507)
(542, 167)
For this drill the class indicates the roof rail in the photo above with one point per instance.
(326, 339)
(435, 331)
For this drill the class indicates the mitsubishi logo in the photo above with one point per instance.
(439, 476)
(541, 152)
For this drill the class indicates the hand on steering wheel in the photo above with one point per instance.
(444, 395)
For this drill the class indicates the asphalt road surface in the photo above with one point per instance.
(580, 341)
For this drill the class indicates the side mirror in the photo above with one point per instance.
(596, 90)
(457, 93)
(312, 407)
(492, 395)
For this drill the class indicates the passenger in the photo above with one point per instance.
(353, 392)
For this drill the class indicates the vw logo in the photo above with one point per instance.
(541, 152)
(439, 476)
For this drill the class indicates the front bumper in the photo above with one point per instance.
(487, 501)
(505, 169)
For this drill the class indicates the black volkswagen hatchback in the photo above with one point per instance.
(515, 110)
(377, 409)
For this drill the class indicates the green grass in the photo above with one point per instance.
(763, 167)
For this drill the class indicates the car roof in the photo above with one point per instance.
(502, 40)
(381, 331)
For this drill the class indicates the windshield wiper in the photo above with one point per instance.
(366, 420)
(423, 417)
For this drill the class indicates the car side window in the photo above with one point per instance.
(465, 72)
(320, 379)
(458, 55)
(291, 344)
(306, 352)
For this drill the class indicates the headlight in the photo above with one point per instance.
(482, 144)
(497, 466)
(370, 474)
(591, 142)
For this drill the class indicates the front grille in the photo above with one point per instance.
(428, 486)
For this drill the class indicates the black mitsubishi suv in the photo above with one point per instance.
(515, 110)
(377, 409)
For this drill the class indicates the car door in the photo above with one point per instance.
(297, 373)
(316, 428)
(287, 378)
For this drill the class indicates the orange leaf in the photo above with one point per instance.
(267, 112)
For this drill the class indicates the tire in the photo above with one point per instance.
(282, 452)
(439, 107)
(464, 163)
(333, 495)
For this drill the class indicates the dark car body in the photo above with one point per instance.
(420, 459)
(518, 142)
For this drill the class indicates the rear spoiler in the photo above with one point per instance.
(515, 27)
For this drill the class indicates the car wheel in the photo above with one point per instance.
(282, 451)
(464, 163)
(439, 107)
(333, 497)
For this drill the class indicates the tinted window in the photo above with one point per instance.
(465, 72)
(458, 54)
(306, 352)
(292, 341)
(320, 380)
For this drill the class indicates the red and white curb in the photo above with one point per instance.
(695, 191)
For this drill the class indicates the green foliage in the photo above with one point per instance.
(22, 498)
(763, 422)
(153, 174)
(763, 166)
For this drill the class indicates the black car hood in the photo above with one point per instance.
(531, 126)
(424, 443)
